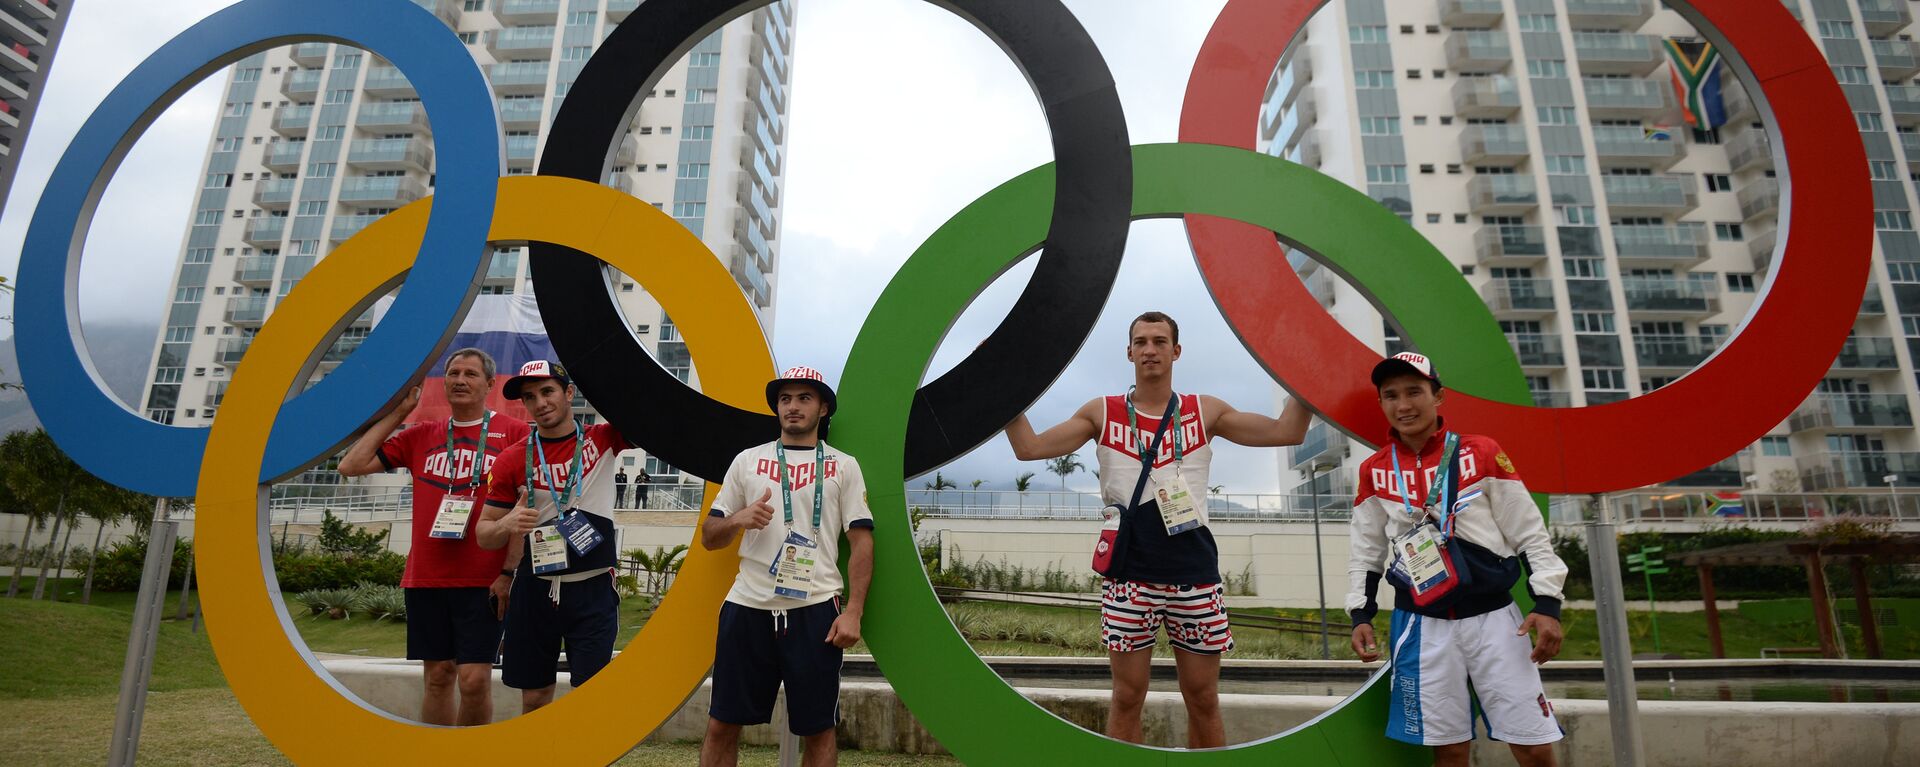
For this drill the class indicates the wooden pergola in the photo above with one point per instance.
(1812, 554)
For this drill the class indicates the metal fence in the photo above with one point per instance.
(1066, 504)
(1763, 507)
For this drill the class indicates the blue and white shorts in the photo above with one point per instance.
(1446, 673)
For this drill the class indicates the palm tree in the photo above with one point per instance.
(107, 505)
(48, 477)
(660, 564)
(13, 453)
(1023, 482)
(976, 483)
(940, 482)
(1064, 465)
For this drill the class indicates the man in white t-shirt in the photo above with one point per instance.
(789, 501)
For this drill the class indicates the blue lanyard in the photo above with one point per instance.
(1133, 422)
(1441, 481)
(819, 478)
(573, 475)
(479, 458)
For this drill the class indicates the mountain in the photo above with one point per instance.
(122, 353)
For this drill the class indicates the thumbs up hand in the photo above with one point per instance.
(523, 517)
(758, 515)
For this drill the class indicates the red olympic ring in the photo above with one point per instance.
(1745, 389)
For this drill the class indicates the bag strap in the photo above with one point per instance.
(1159, 434)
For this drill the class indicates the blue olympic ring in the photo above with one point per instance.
(101, 433)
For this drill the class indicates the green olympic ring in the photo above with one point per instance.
(973, 712)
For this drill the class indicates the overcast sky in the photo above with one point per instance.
(901, 114)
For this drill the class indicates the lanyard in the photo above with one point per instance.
(786, 486)
(479, 458)
(1442, 481)
(573, 475)
(1133, 422)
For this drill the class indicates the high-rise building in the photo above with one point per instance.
(29, 34)
(316, 141)
(1539, 144)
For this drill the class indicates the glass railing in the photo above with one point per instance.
(1844, 411)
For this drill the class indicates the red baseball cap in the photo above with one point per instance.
(805, 375)
(1403, 364)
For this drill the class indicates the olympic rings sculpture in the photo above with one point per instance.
(1235, 201)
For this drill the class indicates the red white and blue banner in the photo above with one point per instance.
(507, 327)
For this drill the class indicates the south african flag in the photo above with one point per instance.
(1696, 80)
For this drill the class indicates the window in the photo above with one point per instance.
(700, 95)
(1836, 30)
(1427, 168)
(207, 218)
(1387, 174)
(689, 210)
(1432, 218)
(694, 169)
(1453, 169)
(474, 5)
(1739, 282)
(347, 61)
(1359, 33)
(312, 208)
(582, 18)
(239, 109)
(1869, 122)
(1537, 22)
(199, 256)
(219, 180)
(576, 52)
(1546, 68)
(704, 60)
(1893, 220)
(1728, 232)
(1566, 164)
(470, 38)
(250, 75)
(1720, 182)
(1413, 74)
(1592, 322)
(1373, 78)
(1379, 126)
(1852, 75)
(1557, 116)
(1576, 215)
(697, 133)
(1604, 379)
(320, 170)
(1776, 447)
(1882, 170)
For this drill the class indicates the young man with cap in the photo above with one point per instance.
(552, 495)
(1456, 636)
(456, 592)
(789, 501)
(1170, 572)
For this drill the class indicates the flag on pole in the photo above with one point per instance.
(1726, 505)
(508, 327)
(1696, 80)
(1660, 133)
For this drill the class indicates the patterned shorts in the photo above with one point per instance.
(1195, 616)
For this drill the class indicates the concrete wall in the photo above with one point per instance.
(1679, 734)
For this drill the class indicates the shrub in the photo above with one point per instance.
(380, 601)
(333, 603)
(118, 566)
(307, 570)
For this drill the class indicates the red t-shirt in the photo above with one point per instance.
(594, 493)
(421, 449)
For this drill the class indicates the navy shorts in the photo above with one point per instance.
(755, 653)
(584, 623)
(455, 624)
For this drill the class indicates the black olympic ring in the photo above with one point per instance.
(1093, 197)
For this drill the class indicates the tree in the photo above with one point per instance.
(43, 476)
(1064, 465)
(660, 564)
(976, 483)
(13, 452)
(342, 539)
(940, 482)
(1023, 482)
(108, 505)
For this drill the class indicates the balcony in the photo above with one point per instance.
(1903, 104)
(1670, 297)
(380, 191)
(1731, 472)
(1626, 146)
(1478, 50)
(520, 42)
(522, 148)
(284, 156)
(1750, 150)
(292, 120)
(1510, 245)
(503, 268)
(1857, 470)
(1608, 14)
(1617, 53)
(1611, 99)
(310, 54)
(1309, 147)
(274, 193)
(1867, 353)
(247, 311)
(1898, 59)
(1537, 350)
(752, 281)
(1660, 246)
(345, 227)
(519, 78)
(387, 83)
(216, 393)
(1760, 247)
(255, 271)
(748, 235)
(1494, 96)
(1910, 145)
(1760, 197)
(391, 154)
(1493, 144)
(1323, 444)
(521, 114)
(1323, 286)
(1510, 297)
(1852, 411)
(1478, 14)
(340, 349)
(265, 231)
(230, 350)
(1669, 353)
(1884, 17)
(527, 12)
(1501, 194)
(1734, 97)
(762, 133)
(1667, 196)
(1552, 398)
(617, 10)
(302, 84)
(1871, 304)
(395, 117)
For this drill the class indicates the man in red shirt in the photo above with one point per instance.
(456, 591)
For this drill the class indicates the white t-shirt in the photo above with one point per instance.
(756, 470)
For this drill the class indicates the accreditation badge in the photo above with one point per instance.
(1421, 558)
(579, 532)
(1177, 508)
(451, 520)
(792, 567)
(548, 548)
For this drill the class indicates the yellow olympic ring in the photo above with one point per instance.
(276, 678)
